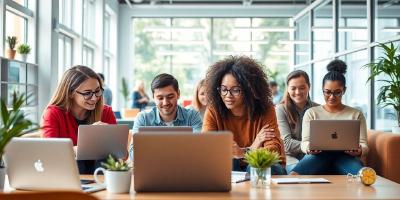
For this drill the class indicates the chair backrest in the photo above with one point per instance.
(59, 195)
(131, 113)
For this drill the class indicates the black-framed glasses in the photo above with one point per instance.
(235, 91)
(336, 93)
(89, 94)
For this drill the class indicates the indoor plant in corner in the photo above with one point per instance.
(12, 41)
(260, 161)
(13, 124)
(117, 175)
(387, 69)
(24, 50)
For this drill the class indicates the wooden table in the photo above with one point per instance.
(338, 189)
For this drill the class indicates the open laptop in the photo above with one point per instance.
(96, 142)
(43, 164)
(182, 162)
(165, 128)
(334, 135)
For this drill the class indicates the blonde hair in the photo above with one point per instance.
(196, 102)
(71, 80)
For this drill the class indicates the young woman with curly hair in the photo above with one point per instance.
(240, 102)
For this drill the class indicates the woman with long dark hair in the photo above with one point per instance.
(290, 112)
(240, 101)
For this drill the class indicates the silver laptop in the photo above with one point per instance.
(95, 142)
(165, 128)
(182, 162)
(334, 135)
(43, 164)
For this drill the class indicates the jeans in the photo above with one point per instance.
(238, 165)
(328, 163)
(88, 166)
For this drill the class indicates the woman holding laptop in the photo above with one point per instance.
(290, 114)
(316, 161)
(240, 102)
(78, 100)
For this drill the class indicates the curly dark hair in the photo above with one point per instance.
(252, 78)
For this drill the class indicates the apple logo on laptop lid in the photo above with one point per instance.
(39, 166)
(334, 135)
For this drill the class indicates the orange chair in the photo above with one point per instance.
(59, 195)
(130, 113)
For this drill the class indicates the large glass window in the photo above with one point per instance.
(16, 26)
(64, 54)
(352, 24)
(65, 13)
(107, 24)
(88, 56)
(323, 31)
(185, 47)
(302, 42)
(387, 21)
(89, 18)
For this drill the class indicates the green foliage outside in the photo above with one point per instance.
(114, 164)
(125, 92)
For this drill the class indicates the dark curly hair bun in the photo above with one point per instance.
(337, 66)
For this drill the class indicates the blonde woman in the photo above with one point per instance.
(139, 96)
(78, 100)
(199, 102)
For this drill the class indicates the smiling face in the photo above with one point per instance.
(201, 94)
(231, 93)
(333, 92)
(89, 87)
(166, 99)
(298, 90)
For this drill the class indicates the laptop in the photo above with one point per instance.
(43, 164)
(165, 128)
(182, 162)
(334, 135)
(96, 142)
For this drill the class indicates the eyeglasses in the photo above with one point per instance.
(88, 95)
(336, 93)
(235, 91)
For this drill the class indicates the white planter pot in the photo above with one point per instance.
(396, 129)
(116, 182)
(2, 177)
(24, 57)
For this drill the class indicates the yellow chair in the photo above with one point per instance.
(130, 113)
(59, 195)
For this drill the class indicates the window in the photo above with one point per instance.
(64, 54)
(89, 19)
(88, 56)
(65, 13)
(185, 47)
(107, 24)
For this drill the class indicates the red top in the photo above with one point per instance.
(57, 123)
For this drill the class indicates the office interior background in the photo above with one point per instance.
(138, 39)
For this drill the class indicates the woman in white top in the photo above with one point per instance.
(318, 162)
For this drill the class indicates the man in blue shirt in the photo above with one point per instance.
(167, 112)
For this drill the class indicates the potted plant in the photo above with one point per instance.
(13, 124)
(12, 41)
(125, 92)
(260, 161)
(117, 175)
(388, 68)
(24, 50)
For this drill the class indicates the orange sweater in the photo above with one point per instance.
(245, 131)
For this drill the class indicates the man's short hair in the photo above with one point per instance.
(164, 80)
